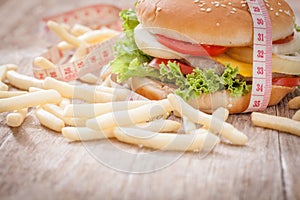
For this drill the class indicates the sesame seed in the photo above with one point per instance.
(217, 5)
(232, 12)
(202, 9)
(279, 3)
(268, 5)
(243, 2)
(234, 9)
(208, 10)
(158, 9)
(217, 24)
(271, 9)
(244, 5)
(201, 5)
(229, 3)
(223, 5)
(196, 1)
(277, 14)
(212, 2)
(287, 12)
(280, 10)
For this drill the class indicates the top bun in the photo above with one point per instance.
(222, 22)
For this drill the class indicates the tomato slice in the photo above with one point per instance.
(189, 48)
(289, 82)
(284, 40)
(185, 69)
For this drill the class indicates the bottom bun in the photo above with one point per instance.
(206, 102)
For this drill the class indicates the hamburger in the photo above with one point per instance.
(202, 51)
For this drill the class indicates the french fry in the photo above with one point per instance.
(3, 71)
(3, 86)
(16, 118)
(86, 134)
(89, 78)
(58, 112)
(79, 29)
(64, 103)
(43, 63)
(162, 141)
(5, 68)
(63, 34)
(161, 126)
(29, 100)
(130, 117)
(7, 94)
(23, 82)
(49, 120)
(188, 125)
(296, 116)
(227, 131)
(90, 37)
(93, 110)
(219, 116)
(97, 36)
(276, 123)
(34, 89)
(80, 52)
(294, 103)
(120, 94)
(77, 92)
(75, 122)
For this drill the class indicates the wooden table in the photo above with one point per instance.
(36, 163)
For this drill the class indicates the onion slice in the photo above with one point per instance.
(286, 64)
(289, 47)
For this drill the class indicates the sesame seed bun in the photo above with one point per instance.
(223, 22)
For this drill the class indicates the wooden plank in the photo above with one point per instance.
(289, 154)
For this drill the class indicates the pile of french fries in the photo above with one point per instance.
(104, 112)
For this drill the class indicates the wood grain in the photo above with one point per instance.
(36, 163)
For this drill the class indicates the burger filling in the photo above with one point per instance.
(194, 68)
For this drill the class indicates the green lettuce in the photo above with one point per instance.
(204, 81)
(297, 28)
(129, 60)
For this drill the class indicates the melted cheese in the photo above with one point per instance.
(280, 64)
(245, 68)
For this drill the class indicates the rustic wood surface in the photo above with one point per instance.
(36, 163)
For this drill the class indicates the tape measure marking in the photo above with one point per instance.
(262, 56)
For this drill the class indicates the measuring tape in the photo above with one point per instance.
(94, 16)
(262, 56)
(98, 55)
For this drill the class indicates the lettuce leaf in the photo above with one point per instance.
(202, 81)
(129, 60)
(297, 28)
(237, 87)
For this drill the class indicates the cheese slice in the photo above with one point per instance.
(245, 68)
(280, 64)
